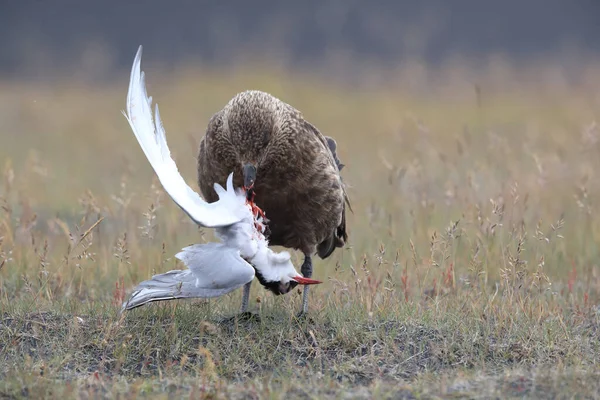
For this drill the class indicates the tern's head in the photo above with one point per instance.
(277, 273)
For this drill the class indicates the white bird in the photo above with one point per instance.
(214, 269)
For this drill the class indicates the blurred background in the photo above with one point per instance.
(438, 106)
(39, 39)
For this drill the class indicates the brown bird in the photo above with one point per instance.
(287, 166)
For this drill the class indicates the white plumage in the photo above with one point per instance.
(214, 269)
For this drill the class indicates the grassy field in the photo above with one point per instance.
(472, 268)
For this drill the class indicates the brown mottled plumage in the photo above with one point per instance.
(298, 183)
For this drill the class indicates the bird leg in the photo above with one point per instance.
(306, 270)
(245, 297)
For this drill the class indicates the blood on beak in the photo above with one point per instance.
(306, 281)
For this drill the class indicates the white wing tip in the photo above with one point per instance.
(138, 55)
(230, 183)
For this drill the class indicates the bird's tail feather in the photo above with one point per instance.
(337, 238)
(326, 247)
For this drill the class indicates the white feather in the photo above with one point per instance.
(214, 269)
(216, 265)
(228, 210)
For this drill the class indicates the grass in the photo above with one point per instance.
(472, 268)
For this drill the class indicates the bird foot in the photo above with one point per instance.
(246, 316)
(303, 316)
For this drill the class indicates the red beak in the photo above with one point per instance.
(306, 281)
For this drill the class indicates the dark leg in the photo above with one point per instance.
(306, 271)
(245, 297)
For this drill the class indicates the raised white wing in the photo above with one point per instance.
(214, 270)
(229, 209)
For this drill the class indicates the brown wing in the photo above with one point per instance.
(339, 236)
(333, 148)
(331, 144)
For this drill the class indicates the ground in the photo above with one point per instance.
(471, 269)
